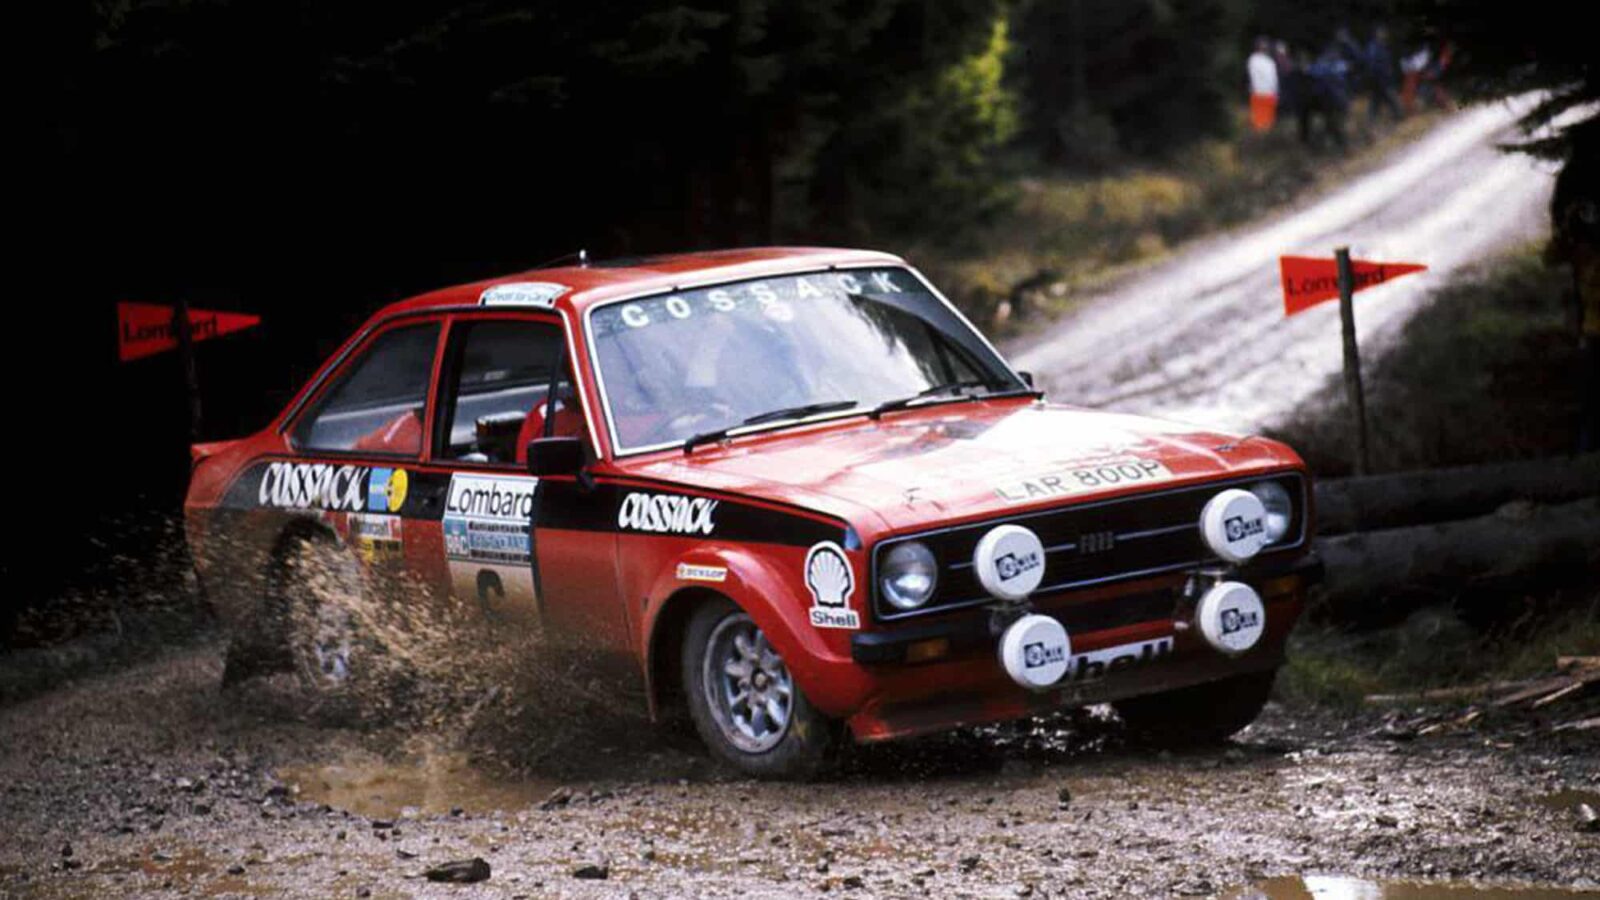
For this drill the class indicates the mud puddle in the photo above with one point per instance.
(1568, 801)
(431, 784)
(1326, 887)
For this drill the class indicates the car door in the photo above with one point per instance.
(498, 377)
(359, 444)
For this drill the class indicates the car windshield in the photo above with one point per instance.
(674, 366)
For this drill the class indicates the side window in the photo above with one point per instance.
(503, 371)
(376, 406)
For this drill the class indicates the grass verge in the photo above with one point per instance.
(1435, 648)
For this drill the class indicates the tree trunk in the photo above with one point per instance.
(1411, 498)
(1521, 543)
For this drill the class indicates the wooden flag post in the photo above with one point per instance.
(1309, 281)
(182, 330)
(1352, 357)
(145, 329)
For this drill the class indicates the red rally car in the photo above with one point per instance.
(792, 490)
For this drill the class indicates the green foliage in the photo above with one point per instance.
(932, 148)
(1142, 76)
(655, 124)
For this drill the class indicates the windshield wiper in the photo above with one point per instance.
(953, 387)
(776, 415)
(948, 387)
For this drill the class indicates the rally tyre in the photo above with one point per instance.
(1199, 715)
(745, 705)
(327, 639)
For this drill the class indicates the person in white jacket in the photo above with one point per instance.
(1263, 87)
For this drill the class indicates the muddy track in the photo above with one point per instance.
(1201, 337)
(151, 781)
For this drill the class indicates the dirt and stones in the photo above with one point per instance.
(150, 780)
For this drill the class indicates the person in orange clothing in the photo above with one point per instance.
(1263, 87)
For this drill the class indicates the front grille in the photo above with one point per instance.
(1090, 543)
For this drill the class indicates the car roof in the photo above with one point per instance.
(608, 279)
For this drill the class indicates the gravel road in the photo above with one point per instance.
(151, 781)
(1202, 338)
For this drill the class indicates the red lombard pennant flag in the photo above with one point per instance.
(145, 329)
(1308, 280)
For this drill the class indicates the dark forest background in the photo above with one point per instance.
(311, 162)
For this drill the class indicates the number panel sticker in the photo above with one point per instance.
(1102, 475)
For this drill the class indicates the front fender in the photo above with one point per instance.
(770, 588)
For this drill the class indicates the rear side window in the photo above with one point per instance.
(376, 405)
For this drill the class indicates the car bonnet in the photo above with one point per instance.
(963, 460)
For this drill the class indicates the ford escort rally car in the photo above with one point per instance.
(793, 492)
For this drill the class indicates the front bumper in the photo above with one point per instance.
(935, 676)
(976, 628)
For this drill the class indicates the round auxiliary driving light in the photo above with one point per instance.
(909, 575)
(1035, 651)
(1230, 617)
(1234, 525)
(1009, 561)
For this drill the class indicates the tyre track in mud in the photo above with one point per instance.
(1201, 337)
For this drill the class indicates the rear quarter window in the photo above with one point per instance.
(376, 403)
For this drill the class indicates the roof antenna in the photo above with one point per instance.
(581, 256)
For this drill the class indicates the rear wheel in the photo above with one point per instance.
(743, 700)
(1193, 716)
(331, 648)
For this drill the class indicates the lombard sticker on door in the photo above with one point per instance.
(486, 541)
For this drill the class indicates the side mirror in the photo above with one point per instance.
(1027, 378)
(555, 456)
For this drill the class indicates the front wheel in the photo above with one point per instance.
(1192, 716)
(745, 704)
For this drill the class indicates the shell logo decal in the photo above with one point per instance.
(831, 583)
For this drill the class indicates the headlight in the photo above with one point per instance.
(909, 575)
(1280, 508)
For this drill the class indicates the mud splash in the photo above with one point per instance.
(1333, 887)
(406, 660)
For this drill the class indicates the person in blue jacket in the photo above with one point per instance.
(1378, 60)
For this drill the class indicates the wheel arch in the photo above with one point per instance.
(759, 587)
(664, 652)
(294, 532)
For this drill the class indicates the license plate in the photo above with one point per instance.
(1100, 476)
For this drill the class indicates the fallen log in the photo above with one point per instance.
(1539, 691)
(1521, 541)
(1346, 505)
(1573, 688)
(1434, 695)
